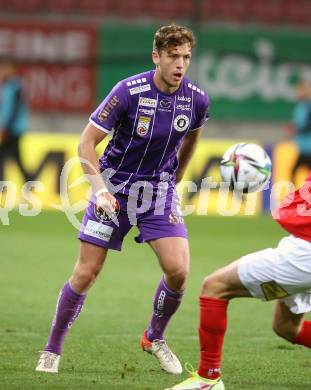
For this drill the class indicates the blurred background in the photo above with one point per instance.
(251, 57)
(58, 60)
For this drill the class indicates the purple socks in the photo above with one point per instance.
(68, 308)
(166, 302)
(69, 305)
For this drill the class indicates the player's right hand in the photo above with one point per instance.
(106, 202)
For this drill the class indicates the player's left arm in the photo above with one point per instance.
(186, 151)
(191, 139)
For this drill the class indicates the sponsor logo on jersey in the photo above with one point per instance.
(147, 102)
(139, 89)
(102, 216)
(181, 122)
(98, 230)
(184, 99)
(183, 107)
(272, 290)
(143, 125)
(146, 111)
(165, 105)
(105, 112)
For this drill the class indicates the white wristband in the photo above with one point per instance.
(101, 191)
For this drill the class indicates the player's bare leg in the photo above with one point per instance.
(290, 326)
(70, 303)
(174, 259)
(89, 264)
(224, 284)
(173, 256)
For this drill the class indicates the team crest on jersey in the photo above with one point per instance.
(143, 125)
(181, 122)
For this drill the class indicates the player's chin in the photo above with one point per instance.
(176, 82)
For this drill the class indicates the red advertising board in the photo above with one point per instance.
(56, 62)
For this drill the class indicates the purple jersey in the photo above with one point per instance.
(148, 127)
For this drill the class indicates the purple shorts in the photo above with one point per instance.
(155, 218)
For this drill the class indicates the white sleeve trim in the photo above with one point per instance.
(98, 126)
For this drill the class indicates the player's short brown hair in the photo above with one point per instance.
(168, 37)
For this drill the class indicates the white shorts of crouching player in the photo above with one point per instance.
(281, 273)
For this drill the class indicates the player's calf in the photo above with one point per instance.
(286, 324)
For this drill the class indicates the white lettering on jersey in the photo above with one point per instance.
(183, 107)
(147, 102)
(146, 111)
(184, 99)
(141, 88)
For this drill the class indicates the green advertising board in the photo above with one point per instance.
(124, 51)
(249, 73)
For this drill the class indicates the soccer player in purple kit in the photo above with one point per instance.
(155, 119)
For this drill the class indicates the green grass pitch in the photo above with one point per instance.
(102, 350)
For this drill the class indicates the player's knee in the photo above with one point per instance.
(181, 276)
(177, 278)
(84, 275)
(209, 286)
(83, 278)
(214, 287)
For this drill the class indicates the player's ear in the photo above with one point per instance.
(155, 57)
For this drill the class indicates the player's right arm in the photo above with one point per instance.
(106, 118)
(90, 138)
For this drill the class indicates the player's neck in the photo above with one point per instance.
(162, 85)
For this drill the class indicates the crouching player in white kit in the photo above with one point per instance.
(282, 273)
